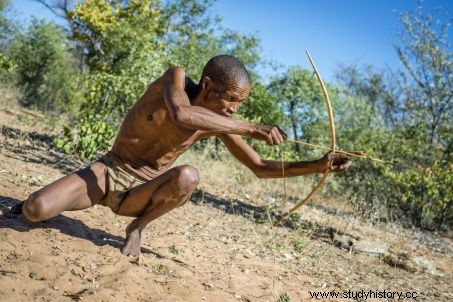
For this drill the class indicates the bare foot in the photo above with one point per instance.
(131, 245)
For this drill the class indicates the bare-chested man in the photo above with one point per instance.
(134, 179)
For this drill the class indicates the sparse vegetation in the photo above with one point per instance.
(399, 261)
(284, 298)
(300, 244)
(381, 272)
(174, 250)
(159, 269)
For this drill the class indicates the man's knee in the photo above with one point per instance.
(188, 177)
(35, 208)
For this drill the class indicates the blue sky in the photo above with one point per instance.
(334, 31)
(341, 31)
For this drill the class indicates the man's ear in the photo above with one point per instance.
(206, 82)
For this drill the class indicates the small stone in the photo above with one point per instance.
(32, 275)
(426, 265)
(372, 248)
(288, 256)
(249, 253)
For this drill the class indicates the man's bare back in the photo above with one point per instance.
(170, 117)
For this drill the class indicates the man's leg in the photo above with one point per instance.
(153, 199)
(76, 191)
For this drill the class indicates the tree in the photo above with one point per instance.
(7, 29)
(7, 26)
(43, 66)
(118, 40)
(126, 45)
(406, 118)
(299, 95)
(427, 56)
(193, 36)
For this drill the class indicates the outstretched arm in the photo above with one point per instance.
(199, 118)
(263, 168)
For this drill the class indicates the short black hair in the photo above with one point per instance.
(224, 69)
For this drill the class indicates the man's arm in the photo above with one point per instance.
(199, 118)
(273, 168)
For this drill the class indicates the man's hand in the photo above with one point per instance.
(336, 162)
(272, 135)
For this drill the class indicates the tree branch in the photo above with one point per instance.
(58, 8)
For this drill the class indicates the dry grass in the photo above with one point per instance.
(25, 119)
(227, 177)
(9, 96)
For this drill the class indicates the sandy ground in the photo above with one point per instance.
(212, 249)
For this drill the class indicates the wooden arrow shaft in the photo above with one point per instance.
(340, 151)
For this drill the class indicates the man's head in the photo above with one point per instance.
(224, 84)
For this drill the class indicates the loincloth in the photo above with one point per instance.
(119, 182)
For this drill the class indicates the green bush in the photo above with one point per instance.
(92, 137)
(43, 67)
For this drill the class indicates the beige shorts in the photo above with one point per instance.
(119, 182)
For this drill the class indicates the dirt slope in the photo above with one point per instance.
(212, 249)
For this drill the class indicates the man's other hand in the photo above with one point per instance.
(272, 135)
(336, 162)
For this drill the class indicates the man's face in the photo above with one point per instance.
(225, 100)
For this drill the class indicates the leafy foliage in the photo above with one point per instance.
(7, 26)
(116, 34)
(261, 107)
(7, 29)
(43, 66)
(127, 44)
(405, 117)
(193, 36)
(91, 135)
(120, 45)
(299, 96)
(427, 56)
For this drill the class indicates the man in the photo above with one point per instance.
(134, 179)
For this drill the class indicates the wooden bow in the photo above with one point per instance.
(332, 146)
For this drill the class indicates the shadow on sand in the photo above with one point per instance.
(65, 225)
(263, 215)
(40, 149)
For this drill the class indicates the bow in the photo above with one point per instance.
(332, 145)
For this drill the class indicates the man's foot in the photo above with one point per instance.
(131, 245)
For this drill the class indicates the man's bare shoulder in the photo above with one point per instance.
(174, 74)
(154, 94)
